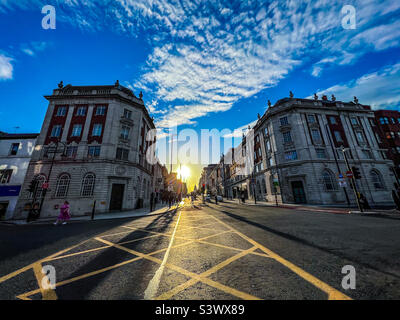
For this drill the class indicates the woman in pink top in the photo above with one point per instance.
(64, 214)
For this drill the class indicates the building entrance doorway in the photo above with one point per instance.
(298, 192)
(117, 196)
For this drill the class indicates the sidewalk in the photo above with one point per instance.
(160, 209)
(392, 213)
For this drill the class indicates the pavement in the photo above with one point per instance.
(389, 213)
(159, 209)
(214, 252)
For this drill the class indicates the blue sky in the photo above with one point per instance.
(202, 64)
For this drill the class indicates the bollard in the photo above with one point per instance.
(94, 208)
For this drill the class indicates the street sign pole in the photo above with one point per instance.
(352, 180)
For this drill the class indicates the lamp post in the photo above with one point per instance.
(54, 151)
(353, 181)
(336, 161)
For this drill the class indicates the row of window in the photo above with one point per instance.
(62, 186)
(330, 181)
(77, 130)
(386, 120)
(81, 111)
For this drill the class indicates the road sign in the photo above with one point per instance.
(342, 183)
(349, 174)
(341, 176)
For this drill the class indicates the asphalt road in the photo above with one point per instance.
(223, 252)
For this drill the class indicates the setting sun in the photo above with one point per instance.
(184, 172)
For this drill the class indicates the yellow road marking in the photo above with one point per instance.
(333, 294)
(47, 294)
(152, 287)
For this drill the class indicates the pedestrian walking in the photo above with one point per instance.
(64, 215)
(364, 202)
(152, 202)
(33, 213)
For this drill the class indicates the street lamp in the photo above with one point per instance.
(54, 151)
(352, 180)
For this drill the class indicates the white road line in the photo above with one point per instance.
(154, 283)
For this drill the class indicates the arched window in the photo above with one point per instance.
(62, 185)
(376, 179)
(329, 181)
(38, 193)
(88, 185)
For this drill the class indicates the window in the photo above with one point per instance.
(125, 132)
(81, 111)
(94, 152)
(329, 181)
(97, 129)
(71, 151)
(88, 185)
(372, 122)
(354, 121)
(291, 155)
(101, 110)
(61, 111)
(266, 131)
(367, 154)
(332, 120)
(360, 136)
(311, 118)
(270, 162)
(376, 180)
(5, 176)
(76, 130)
(127, 114)
(56, 131)
(393, 120)
(338, 136)
(316, 136)
(62, 185)
(284, 121)
(257, 139)
(321, 153)
(268, 145)
(287, 137)
(122, 154)
(14, 149)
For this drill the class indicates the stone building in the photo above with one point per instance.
(205, 178)
(92, 147)
(15, 154)
(298, 155)
(387, 129)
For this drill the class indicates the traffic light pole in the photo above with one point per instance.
(353, 181)
(336, 161)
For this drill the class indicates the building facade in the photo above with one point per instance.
(299, 155)
(91, 149)
(15, 154)
(387, 129)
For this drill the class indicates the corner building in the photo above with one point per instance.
(92, 147)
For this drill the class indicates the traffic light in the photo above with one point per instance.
(356, 173)
(32, 185)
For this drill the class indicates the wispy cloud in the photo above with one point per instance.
(207, 55)
(6, 68)
(33, 47)
(380, 89)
